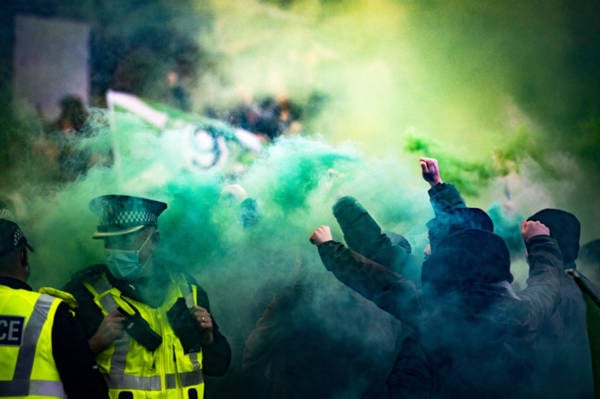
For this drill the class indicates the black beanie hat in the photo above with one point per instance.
(457, 220)
(564, 228)
(468, 255)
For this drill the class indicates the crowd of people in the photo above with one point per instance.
(446, 325)
(269, 118)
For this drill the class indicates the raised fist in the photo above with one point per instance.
(430, 170)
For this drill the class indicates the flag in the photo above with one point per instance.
(162, 141)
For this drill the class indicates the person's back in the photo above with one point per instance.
(409, 375)
(476, 357)
(563, 352)
(478, 334)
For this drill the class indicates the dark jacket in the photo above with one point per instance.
(591, 294)
(564, 354)
(410, 375)
(444, 197)
(363, 235)
(481, 338)
(564, 351)
(388, 290)
(488, 354)
(74, 360)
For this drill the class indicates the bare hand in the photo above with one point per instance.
(109, 330)
(205, 322)
(320, 235)
(430, 170)
(531, 228)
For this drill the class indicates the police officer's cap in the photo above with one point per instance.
(11, 236)
(124, 214)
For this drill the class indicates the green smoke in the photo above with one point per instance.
(494, 85)
(504, 95)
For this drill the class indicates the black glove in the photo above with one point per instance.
(140, 330)
(185, 326)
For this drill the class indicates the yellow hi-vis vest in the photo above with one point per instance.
(27, 367)
(127, 366)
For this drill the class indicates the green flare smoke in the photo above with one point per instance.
(504, 95)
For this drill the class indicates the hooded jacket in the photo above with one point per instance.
(478, 334)
(363, 235)
(410, 375)
(564, 353)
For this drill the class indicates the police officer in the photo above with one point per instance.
(43, 352)
(150, 327)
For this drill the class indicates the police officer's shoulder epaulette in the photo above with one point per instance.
(65, 296)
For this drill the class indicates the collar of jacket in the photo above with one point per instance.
(15, 283)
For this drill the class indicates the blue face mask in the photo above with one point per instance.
(125, 264)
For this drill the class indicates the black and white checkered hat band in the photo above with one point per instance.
(17, 237)
(130, 218)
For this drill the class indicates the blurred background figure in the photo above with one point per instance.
(178, 96)
(61, 143)
(310, 343)
(73, 115)
(589, 257)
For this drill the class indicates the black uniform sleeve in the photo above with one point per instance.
(74, 360)
(216, 357)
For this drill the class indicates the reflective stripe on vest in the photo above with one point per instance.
(117, 365)
(21, 385)
(187, 379)
(117, 377)
(187, 293)
(130, 382)
(102, 286)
